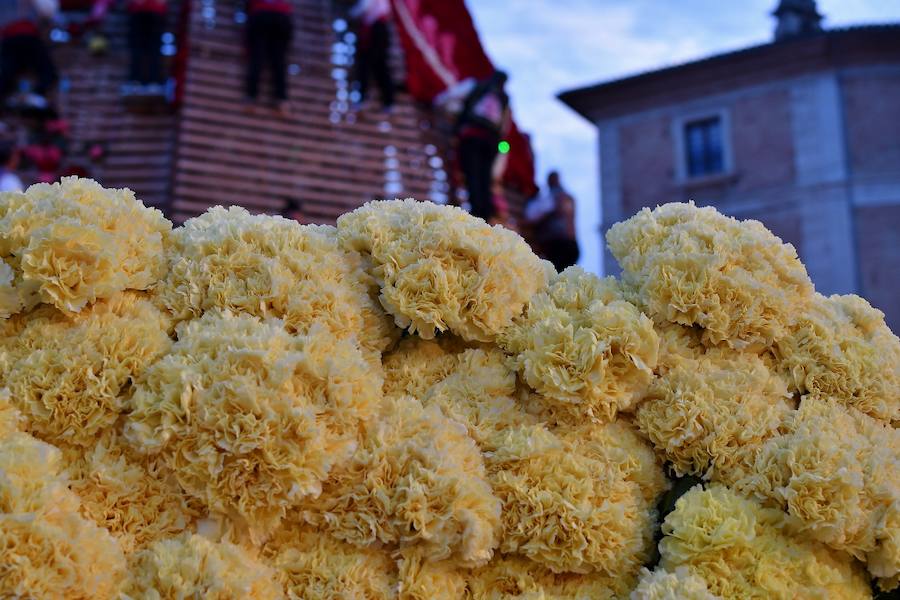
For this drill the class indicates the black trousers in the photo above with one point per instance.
(145, 31)
(372, 61)
(476, 159)
(268, 41)
(562, 253)
(20, 54)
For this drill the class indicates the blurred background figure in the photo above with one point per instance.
(373, 48)
(9, 162)
(24, 52)
(293, 209)
(268, 36)
(146, 24)
(483, 117)
(551, 216)
(502, 215)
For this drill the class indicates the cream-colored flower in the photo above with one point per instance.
(273, 267)
(249, 418)
(695, 266)
(72, 243)
(440, 269)
(191, 566)
(583, 347)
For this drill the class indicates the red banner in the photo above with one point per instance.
(441, 47)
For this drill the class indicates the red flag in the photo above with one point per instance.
(441, 48)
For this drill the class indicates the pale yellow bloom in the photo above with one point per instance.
(695, 266)
(70, 375)
(273, 267)
(742, 550)
(583, 347)
(680, 584)
(440, 269)
(71, 243)
(249, 418)
(47, 549)
(191, 566)
(841, 348)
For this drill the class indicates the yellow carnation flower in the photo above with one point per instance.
(743, 550)
(273, 267)
(695, 266)
(249, 418)
(841, 348)
(70, 375)
(48, 550)
(582, 347)
(71, 243)
(191, 566)
(441, 269)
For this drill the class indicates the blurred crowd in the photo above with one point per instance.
(477, 109)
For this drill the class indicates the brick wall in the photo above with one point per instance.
(879, 253)
(872, 108)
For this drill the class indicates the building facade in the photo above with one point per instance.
(802, 134)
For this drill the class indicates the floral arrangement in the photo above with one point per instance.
(413, 405)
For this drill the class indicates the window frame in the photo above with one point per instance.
(679, 135)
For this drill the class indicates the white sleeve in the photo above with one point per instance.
(358, 9)
(10, 182)
(46, 8)
(539, 208)
(456, 92)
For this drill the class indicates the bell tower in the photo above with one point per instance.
(796, 18)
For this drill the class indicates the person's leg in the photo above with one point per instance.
(488, 153)
(566, 254)
(280, 35)
(468, 160)
(10, 65)
(256, 49)
(155, 27)
(44, 68)
(134, 47)
(476, 160)
(381, 44)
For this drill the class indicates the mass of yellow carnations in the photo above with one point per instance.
(412, 405)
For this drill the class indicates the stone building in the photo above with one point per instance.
(802, 133)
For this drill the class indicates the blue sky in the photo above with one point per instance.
(553, 45)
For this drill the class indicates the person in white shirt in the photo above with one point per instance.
(552, 218)
(9, 162)
(373, 49)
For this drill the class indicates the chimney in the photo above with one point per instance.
(796, 18)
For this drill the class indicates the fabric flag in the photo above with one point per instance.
(441, 48)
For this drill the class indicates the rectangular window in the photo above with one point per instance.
(704, 147)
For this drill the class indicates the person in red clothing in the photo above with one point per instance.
(483, 118)
(269, 34)
(22, 48)
(146, 24)
(373, 49)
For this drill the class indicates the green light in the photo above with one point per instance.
(503, 147)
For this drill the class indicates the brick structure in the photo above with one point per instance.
(322, 161)
(802, 134)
